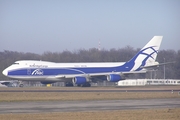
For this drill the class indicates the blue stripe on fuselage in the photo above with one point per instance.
(63, 71)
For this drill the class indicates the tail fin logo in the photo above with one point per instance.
(145, 56)
(149, 52)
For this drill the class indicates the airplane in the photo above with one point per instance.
(82, 74)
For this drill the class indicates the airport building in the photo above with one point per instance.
(143, 82)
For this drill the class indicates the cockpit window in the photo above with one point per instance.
(16, 63)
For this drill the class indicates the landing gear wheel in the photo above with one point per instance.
(68, 84)
(21, 85)
(86, 85)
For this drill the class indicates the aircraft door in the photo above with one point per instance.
(28, 71)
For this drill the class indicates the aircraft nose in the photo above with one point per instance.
(5, 72)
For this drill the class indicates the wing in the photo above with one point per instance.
(94, 77)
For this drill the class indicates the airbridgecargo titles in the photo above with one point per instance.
(38, 66)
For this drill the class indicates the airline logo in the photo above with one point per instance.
(145, 56)
(37, 72)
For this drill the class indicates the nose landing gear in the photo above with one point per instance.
(20, 84)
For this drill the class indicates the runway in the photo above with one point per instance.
(93, 105)
(88, 90)
(95, 89)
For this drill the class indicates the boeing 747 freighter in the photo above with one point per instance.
(82, 74)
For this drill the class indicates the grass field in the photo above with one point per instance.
(152, 114)
(148, 114)
(52, 96)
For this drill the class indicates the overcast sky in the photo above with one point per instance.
(55, 25)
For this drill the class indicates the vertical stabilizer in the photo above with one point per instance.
(147, 55)
(151, 48)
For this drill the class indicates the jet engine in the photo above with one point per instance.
(114, 78)
(80, 80)
(47, 82)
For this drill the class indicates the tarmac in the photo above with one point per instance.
(89, 105)
(92, 105)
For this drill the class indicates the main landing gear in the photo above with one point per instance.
(70, 84)
(87, 84)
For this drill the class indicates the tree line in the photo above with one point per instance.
(172, 71)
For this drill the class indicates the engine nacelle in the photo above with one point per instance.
(114, 78)
(47, 82)
(79, 80)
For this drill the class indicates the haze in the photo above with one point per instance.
(55, 25)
